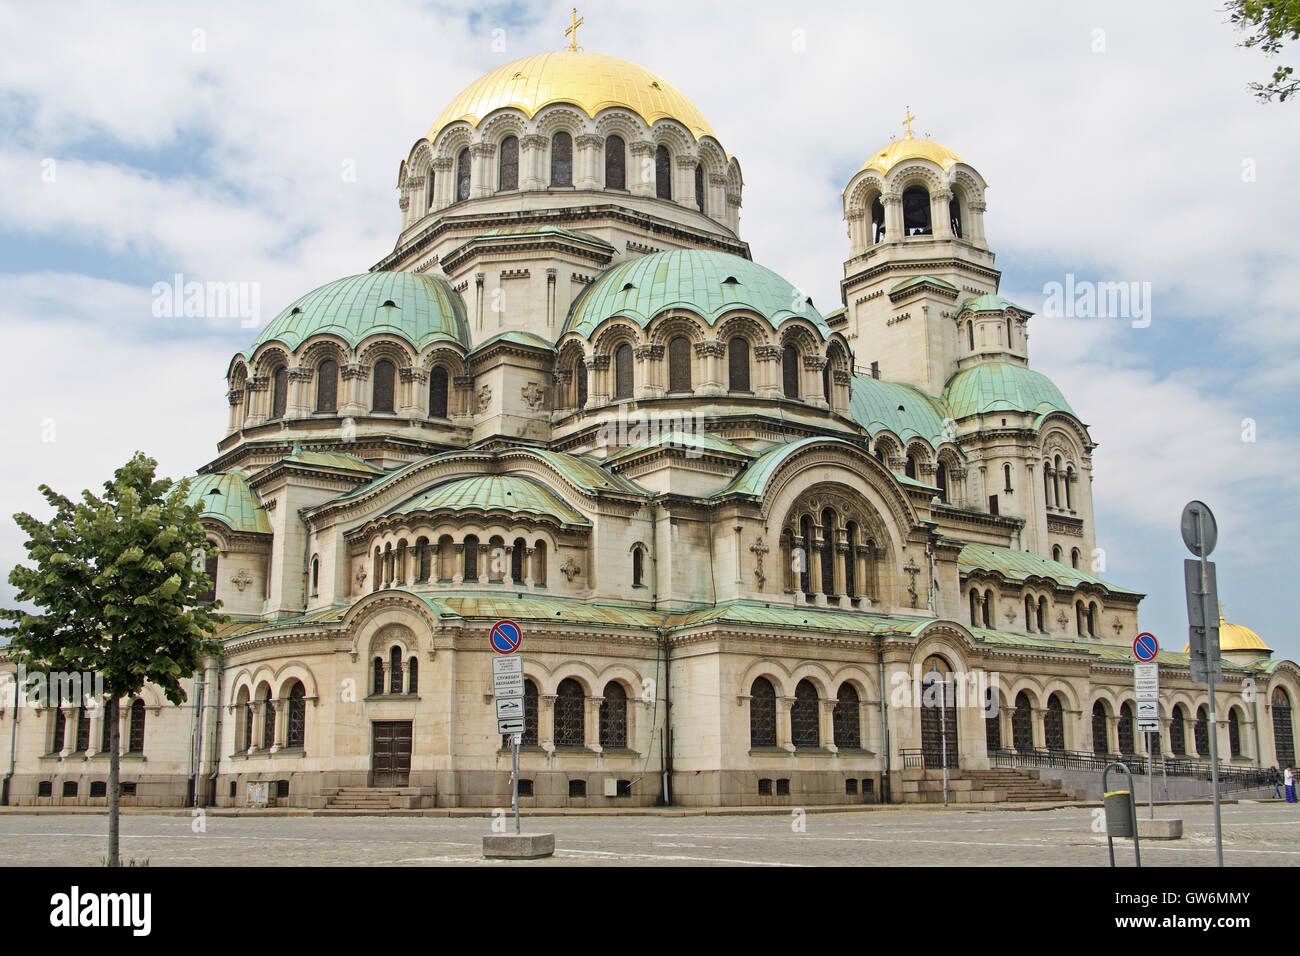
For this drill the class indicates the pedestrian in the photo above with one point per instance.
(1290, 785)
(1275, 779)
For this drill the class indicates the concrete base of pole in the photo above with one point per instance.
(518, 846)
(1160, 829)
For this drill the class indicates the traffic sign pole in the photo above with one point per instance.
(1209, 681)
(514, 776)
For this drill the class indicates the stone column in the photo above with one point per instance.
(281, 724)
(481, 181)
(857, 240)
(893, 203)
(546, 721)
(413, 402)
(940, 221)
(591, 722)
(587, 161)
(236, 399)
(975, 228)
(648, 358)
(684, 181)
(532, 150)
(715, 197)
(826, 724)
(599, 386)
(815, 562)
(641, 168)
(458, 563)
(813, 365)
(354, 376)
(711, 352)
(767, 365)
(259, 398)
(783, 734)
(444, 182)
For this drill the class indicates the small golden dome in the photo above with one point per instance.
(910, 148)
(590, 81)
(1236, 637)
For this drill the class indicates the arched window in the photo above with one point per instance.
(941, 479)
(1042, 614)
(638, 566)
(805, 548)
(1074, 557)
(1056, 553)
(851, 559)
(615, 163)
(992, 721)
(561, 159)
(539, 564)
(1069, 494)
(382, 394)
(974, 608)
(826, 384)
(916, 211)
(1078, 618)
(495, 559)
(939, 745)
(909, 466)
(663, 173)
(315, 576)
(970, 335)
(762, 714)
(135, 736)
(1125, 729)
(470, 568)
(83, 730)
(581, 375)
(699, 187)
(428, 190)
(988, 616)
(517, 551)
(508, 172)
(413, 676)
(954, 216)
(738, 364)
(1234, 732)
(1047, 485)
(1283, 733)
(243, 722)
(268, 721)
(296, 732)
(1006, 478)
(623, 371)
(446, 558)
(570, 714)
(529, 736)
(679, 364)
(1029, 612)
(59, 729)
(1054, 723)
(462, 175)
(828, 552)
(1057, 474)
(1010, 333)
(377, 685)
(613, 717)
(423, 560)
(790, 371)
(279, 391)
(1201, 732)
(1093, 613)
(1100, 732)
(327, 386)
(847, 718)
(438, 392)
(877, 221)
(1022, 723)
(210, 566)
(1178, 731)
(395, 670)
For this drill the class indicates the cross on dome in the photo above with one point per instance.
(908, 122)
(572, 31)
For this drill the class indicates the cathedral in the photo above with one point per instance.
(761, 553)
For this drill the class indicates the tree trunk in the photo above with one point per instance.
(114, 767)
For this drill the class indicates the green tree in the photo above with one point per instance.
(1270, 24)
(117, 582)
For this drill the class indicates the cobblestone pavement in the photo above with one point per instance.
(1254, 835)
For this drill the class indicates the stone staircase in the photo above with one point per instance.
(378, 799)
(983, 786)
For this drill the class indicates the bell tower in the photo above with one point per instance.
(917, 254)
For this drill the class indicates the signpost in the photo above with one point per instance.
(508, 692)
(1200, 534)
(1146, 684)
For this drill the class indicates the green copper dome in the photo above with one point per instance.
(485, 494)
(226, 497)
(902, 409)
(1002, 387)
(418, 308)
(708, 283)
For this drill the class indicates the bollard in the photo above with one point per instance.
(1121, 813)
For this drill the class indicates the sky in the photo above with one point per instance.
(259, 144)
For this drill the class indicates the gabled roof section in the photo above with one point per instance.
(754, 479)
(332, 460)
(1022, 565)
(690, 441)
(226, 497)
(990, 303)
(511, 494)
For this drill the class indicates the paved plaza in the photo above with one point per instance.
(1255, 834)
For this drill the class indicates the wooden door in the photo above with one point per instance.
(391, 753)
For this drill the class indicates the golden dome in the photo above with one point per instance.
(909, 148)
(591, 81)
(1235, 637)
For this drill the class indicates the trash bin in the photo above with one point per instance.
(1119, 813)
